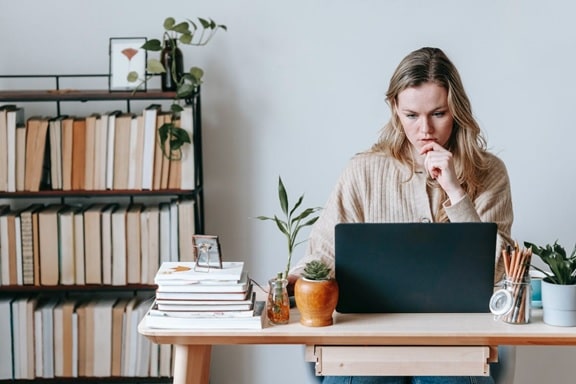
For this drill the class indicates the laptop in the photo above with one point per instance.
(415, 267)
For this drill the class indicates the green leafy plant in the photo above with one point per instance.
(190, 33)
(562, 267)
(292, 222)
(316, 270)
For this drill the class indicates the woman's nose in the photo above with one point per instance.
(425, 125)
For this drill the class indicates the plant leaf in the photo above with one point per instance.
(282, 196)
(132, 76)
(155, 66)
(181, 27)
(152, 45)
(169, 23)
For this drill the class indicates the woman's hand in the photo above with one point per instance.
(439, 164)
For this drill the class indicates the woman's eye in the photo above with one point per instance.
(439, 114)
(411, 115)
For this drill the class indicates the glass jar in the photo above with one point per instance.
(513, 302)
(278, 304)
(173, 62)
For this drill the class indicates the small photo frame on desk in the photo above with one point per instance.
(127, 55)
(207, 251)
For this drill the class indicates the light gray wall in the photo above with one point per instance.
(296, 88)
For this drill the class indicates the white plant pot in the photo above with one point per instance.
(559, 304)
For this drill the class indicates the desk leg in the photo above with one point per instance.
(192, 364)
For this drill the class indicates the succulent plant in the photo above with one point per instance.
(316, 270)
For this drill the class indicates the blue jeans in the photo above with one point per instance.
(408, 380)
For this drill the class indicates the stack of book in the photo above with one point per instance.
(192, 297)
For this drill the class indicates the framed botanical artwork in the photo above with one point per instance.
(127, 55)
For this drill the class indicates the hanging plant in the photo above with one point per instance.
(190, 33)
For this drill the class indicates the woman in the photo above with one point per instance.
(430, 164)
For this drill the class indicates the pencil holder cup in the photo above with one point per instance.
(513, 302)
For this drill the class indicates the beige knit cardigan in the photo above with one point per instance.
(375, 188)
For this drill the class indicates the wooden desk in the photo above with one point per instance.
(369, 341)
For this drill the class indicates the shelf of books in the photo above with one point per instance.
(195, 298)
(90, 208)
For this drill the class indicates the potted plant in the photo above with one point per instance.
(290, 226)
(186, 84)
(559, 285)
(316, 294)
(292, 222)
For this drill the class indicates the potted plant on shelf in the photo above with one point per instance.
(559, 285)
(316, 294)
(290, 226)
(170, 67)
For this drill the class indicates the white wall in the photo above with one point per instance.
(296, 88)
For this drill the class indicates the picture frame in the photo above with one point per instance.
(207, 252)
(127, 55)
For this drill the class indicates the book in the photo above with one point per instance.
(143, 344)
(122, 150)
(78, 164)
(166, 155)
(100, 143)
(155, 311)
(67, 145)
(82, 337)
(79, 254)
(135, 155)
(6, 337)
(117, 331)
(20, 157)
(202, 300)
(106, 243)
(92, 243)
(159, 157)
(4, 148)
(133, 243)
(18, 238)
(63, 338)
(110, 148)
(46, 308)
(48, 243)
(149, 144)
(102, 345)
(186, 228)
(66, 246)
(128, 361)
(14, 120)
(208, 286)
(188, 271)
(90, 152)
(36, 140)
(55, 135)
(165, 228)
(188, 163)
(119, 245)
(152, 242)
(256, 321)
(27, 238)
(8, 247)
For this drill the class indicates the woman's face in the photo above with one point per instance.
(424, 114)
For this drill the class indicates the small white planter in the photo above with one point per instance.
(559, 304)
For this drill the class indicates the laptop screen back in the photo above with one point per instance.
(415, 267)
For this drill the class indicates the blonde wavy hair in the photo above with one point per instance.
(466, 143)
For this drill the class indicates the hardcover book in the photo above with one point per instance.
(257, 321)
(188, 271)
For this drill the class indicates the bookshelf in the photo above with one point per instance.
(37, 292)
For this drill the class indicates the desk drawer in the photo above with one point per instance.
(402, 360)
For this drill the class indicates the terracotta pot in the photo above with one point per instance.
(316, 301)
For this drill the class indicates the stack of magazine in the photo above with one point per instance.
(193, 297)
